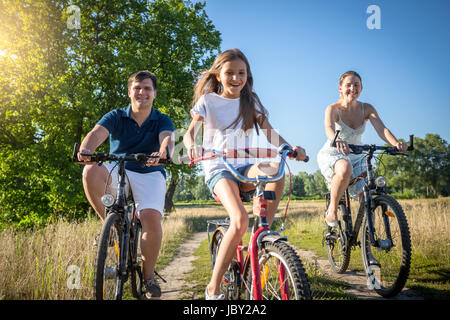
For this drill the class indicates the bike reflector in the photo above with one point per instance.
(390, 214)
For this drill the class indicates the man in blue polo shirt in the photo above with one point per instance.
(138, 128)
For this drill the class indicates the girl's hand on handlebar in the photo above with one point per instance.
(301, 153)
(342, 147)
(195, 152)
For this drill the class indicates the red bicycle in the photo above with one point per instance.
(271, 269)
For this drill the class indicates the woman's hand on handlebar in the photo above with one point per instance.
(401, 146)
(342, 146)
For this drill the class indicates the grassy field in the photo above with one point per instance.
(43, 263)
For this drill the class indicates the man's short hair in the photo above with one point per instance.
(141, 75)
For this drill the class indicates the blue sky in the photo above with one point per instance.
(298, 49)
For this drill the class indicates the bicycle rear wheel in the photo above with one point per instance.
(282, 274)
(108, 283)
(387, 264)
(230, 284)
(337, 245)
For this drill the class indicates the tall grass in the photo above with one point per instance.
(36, 264)
(47, 263)
(428, 221)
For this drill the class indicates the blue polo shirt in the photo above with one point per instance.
(126, 137)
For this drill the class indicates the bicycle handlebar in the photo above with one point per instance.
(284, 151)
(357, 149)
(102, 156)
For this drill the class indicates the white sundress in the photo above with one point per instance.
(328, 156)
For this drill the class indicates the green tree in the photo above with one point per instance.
(425, 171)
(57, 82)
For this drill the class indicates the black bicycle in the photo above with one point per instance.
(118, 254)
(385, 239)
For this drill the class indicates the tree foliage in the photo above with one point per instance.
(56, 83)
(424, 172)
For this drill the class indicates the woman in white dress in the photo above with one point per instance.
(336, 163)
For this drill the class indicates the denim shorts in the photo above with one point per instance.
(211, 182)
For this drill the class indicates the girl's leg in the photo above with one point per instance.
(228, 193)
(267, 169)
(342, 174)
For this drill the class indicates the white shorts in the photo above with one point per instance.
(149, 189)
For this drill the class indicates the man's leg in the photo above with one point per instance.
(150, 240)
(94, 181)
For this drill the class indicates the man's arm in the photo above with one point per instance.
(166, 141)
(93, 139)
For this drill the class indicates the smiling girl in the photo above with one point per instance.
(349, 116)
(225, 103)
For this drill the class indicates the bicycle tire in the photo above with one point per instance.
(384, 276)
(337, 245)
(107, 260)
(136, 266)
(296, 281)
(230, 284)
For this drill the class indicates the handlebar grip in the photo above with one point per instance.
(333, 143)
(294, 154)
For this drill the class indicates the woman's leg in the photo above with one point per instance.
(228, 193)
(342, 174)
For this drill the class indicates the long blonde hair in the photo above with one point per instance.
(248, 110)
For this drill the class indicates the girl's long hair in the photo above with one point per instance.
(250, 107)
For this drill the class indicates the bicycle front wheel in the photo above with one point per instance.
(108, 283)
(230, 284)
(336, 241)
(282, 274)
(387, 261)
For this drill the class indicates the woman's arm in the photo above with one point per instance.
(383, 132)
(330, 129)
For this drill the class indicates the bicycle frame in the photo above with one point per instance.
(260, 228)
(366, 205)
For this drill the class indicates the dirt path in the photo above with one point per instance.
(175, 272)
(357, 281)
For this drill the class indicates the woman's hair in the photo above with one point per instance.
(249, 104)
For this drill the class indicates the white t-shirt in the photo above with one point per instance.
(219, 113)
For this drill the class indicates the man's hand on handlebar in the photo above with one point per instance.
(155, 160)
(83, 158)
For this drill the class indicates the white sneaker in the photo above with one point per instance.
(218, 297)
